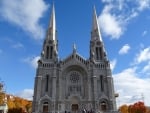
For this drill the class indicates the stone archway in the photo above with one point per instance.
(103, 106)
(74, 104)
(75, 107)
(75, 81)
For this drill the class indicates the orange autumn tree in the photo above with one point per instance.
(137, 107)
(18, 105)
(147, 110)
(123, 109)
(2, 93)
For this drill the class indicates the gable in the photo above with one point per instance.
(74, 59)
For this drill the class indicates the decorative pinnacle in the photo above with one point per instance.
(74, 48)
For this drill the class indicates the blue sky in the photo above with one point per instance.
(125, 29)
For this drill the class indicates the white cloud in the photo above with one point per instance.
(110, 24)
(25, 14)
(143, 56)
(146, 68)
(113, 64)
(131, 88)
(106, 1)
(124, 49)
(143, 4)
(114, 28)
(32, 61)
(132, 83)
(144, 33)
(26, 94)
(18, 45)
(118, 13)
(14, 44)
(132, 15)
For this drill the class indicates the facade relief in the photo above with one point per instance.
(75, 84)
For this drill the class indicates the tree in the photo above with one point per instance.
(29, 107)
(15, 110)
(147, 110)
(16, 104)
(2, 93)
(138, 107)
(123, 109)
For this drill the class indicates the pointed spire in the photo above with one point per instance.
(95, 27)
(52, 24)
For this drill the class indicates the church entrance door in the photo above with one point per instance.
(75, 107)
(103, 106)
(74, 104)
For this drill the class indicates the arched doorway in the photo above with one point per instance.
(103, 106)
(74, 104)
(74, 107)
(45, 107)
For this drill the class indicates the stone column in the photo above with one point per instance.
(60, 84)
(54, 84)
(37, 92)
(95, 86)
(89, 86)
(94, 77)
(111, 90)
(54, 77)
(38, 87)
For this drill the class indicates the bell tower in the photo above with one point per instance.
(50, 46)
(47, 71)
(97, 51)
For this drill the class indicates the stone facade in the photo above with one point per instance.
(75, 84)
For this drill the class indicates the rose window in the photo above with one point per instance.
(74, 77)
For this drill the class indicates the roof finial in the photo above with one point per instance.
(74, 48)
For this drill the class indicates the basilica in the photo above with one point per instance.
(74, 84)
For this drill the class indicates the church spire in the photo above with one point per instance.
(50, 46)
(97, 51)
(52, 25)
(95, 28)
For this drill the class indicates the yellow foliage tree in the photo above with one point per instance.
(2, 94)
(123, 109)
(17, 103)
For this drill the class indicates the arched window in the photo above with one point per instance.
(47, 79)
(74, 85)
(45, 107)
(99, 53)
(47, 52)
(74, 77)
(51, 52)
(102, 82)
